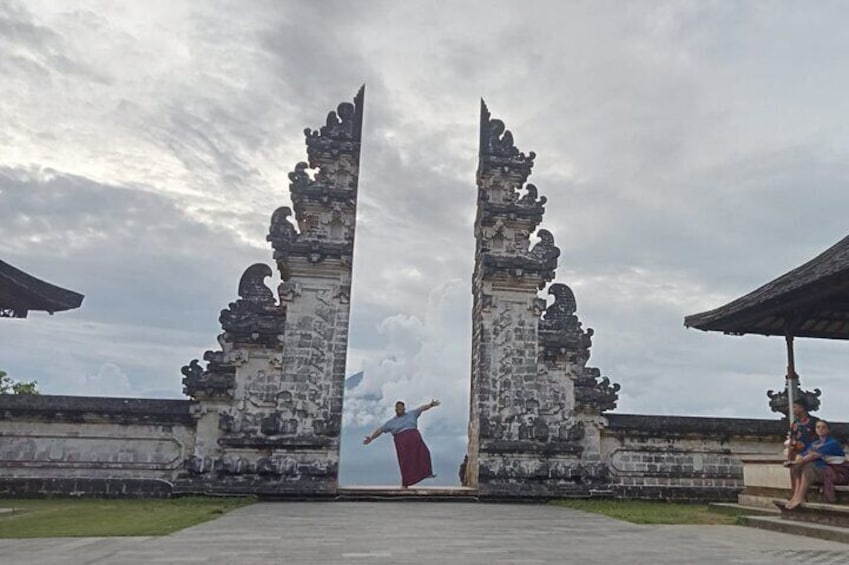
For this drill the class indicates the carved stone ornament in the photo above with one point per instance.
(197, 465)
(343, 293)
(528, 209)
(529, 200)
(255, 318)
(560, 331)
(288, 291)
(497, 151)
(778, 400)
(595, 393)
(282, 233)
(545, 252)
(218, 380)
(340, 134)
(229, 465)
(299, 179)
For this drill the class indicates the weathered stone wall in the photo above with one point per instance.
(686, 458)
(92, 446)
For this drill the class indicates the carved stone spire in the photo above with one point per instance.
(271, 398)
(324, 194)
(507, 216)
(531, 390)
(497, 151)
(341, 133)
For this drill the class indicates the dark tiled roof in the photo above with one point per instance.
(20, 293)
(813, 297)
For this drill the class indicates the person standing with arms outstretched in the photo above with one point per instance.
(413, 454)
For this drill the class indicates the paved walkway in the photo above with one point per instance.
(420, 532)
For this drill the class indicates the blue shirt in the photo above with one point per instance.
(398, 424)
(829, 447)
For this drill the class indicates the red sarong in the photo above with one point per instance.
(413, 457)
(834, 475)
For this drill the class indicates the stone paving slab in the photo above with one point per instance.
(447, 533)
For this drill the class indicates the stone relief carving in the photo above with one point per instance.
(218, 380)
(594, 392)
(299, 179)
(560, 329)
(288, 291)
(529, 200)
(282, 233)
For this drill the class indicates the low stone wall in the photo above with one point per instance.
(89, 446)
(687, 458)
(73, 445)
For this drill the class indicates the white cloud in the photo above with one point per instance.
(109, 380)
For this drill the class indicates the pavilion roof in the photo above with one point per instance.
(812, 298)
(21, 292)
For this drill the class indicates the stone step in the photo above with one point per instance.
(842, 491)
(759, 496)
(817, 513)
(742, 510)
(425, 494)
(776, 524)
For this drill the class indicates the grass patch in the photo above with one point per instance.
(650, 512)
(63, 517)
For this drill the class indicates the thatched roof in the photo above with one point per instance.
(21, 292)
(812, 298)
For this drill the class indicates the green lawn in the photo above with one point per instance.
(649, 512)
(62, 517)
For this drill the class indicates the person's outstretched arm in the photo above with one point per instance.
(373, 436)
(428, 406)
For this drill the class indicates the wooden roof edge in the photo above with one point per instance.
(768, 292)
(54, 297)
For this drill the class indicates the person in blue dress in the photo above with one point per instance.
(822, 457)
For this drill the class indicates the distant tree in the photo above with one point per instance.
(9, 386)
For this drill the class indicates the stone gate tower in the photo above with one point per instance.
(535, 414)
(270, 400)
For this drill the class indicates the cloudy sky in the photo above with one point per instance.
(690, 151)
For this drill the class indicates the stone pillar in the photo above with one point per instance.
(275, 388)
(527, 429)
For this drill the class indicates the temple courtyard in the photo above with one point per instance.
(421, 532)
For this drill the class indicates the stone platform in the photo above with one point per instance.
(396, 532)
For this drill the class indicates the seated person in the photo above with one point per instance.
(801, 435)
(824, 461)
